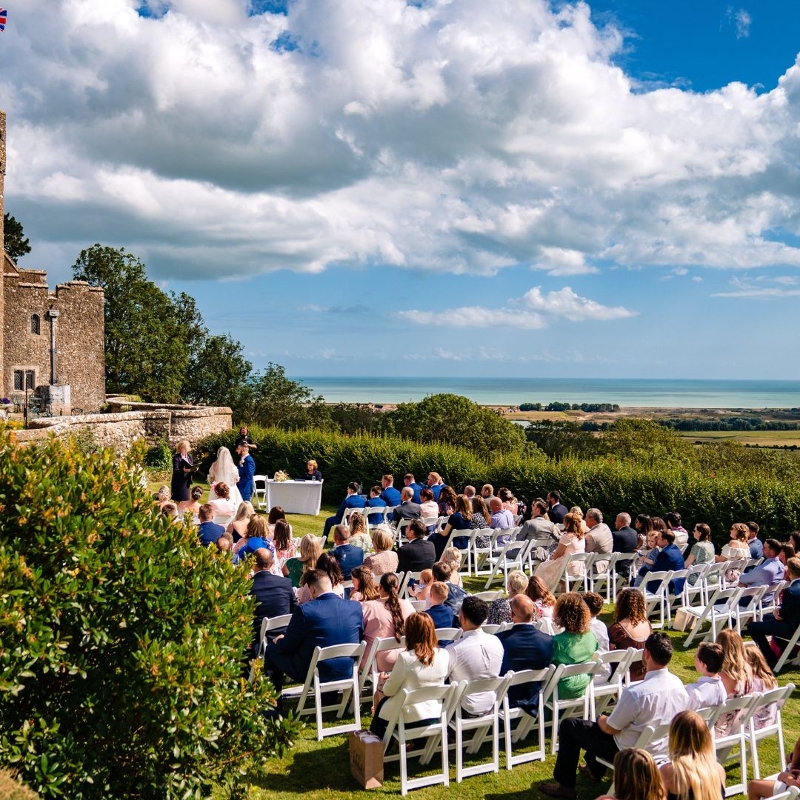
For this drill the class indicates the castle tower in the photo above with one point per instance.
(2, 239)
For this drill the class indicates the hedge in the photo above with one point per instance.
(740, 487)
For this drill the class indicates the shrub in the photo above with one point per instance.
(159, 456)
(123, 639)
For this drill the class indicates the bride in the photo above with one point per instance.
(223, 470)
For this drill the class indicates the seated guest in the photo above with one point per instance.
(763, 789)
(692, 772)
(274, 595)
(455, 594)
(538, 526)
(501, 518)
(626, 540)
(418, 553)
(407, 509)
(702, 551)
(170, 511)
(452, 557)
(383, 617)
(446, 501)
(421, 589)
(192, 506)
(208, 531)
(654, 701)
(509, 501)
(221, 501)
(375, 502)
(668, 558)
(324, 621)
(481, 519)
(312, 472)
(556, 510)
(435, 484)
(708, 691)
(768, 573)
(345, 553)
(163, 496)
(238, 527)
(598, 628)
(421, 664)
(428, 507)
(469, 492)
(487, 493)
(783, 622)
(735, 550)
(357, 524)
(753, 542)
(763, 681)
(438, 610)
(310, 551)
(352, 500)
(364, 586)
(787, 552)
(631, 627)
(673, 520)
(544, 603)
(389, 494)
(276, 514)
(576, 644)
(737, 677)
(384, 559)
(330, 566)
(599, 539)
(283, 543)
(416, 488)
(570, 542)
(636, 777)
(460, 520)
(477, 655)
(256, 535)
(524, 647)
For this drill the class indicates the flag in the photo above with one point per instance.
(3, 14)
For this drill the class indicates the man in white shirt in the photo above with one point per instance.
(476, 655)
(708, 690)
(654, 701)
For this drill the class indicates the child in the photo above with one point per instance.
(763, 681)
(709, 690)
(595, 603)
(439, 611)
(422, 588)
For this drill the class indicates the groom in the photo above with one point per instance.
(247, 468)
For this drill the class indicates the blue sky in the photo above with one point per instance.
(435, 189)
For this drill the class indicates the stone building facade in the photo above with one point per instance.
(51, 343)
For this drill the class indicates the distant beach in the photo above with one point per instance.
(654, 393)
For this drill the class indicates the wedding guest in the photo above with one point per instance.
(384, 558)
(636, 777)
(312, 472)
(310, 551)
(192, 506)
(238, 527)
(364, 586)
(222, 503)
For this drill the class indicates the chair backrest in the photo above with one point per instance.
(497, 686)
(448, 634)
(274, 623)
(413, 697)
(790, 794)
(742, 707)
(490, 596)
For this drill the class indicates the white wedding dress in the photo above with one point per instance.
(224, 470)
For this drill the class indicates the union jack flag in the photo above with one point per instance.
(3, 15)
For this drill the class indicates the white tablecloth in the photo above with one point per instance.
(295, 497)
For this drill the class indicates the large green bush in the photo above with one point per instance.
(645, 469)
(122, 638)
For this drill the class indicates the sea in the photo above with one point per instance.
(653, 393)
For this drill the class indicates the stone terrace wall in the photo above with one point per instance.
(150, 422)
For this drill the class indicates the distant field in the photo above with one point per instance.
(758, 438)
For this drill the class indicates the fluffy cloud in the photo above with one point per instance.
(533, 311)
(462, 137)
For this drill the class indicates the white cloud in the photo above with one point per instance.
(532, 312)
(741, 20)
(456, 137)
(763, 294)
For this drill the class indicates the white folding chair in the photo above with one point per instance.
(771, 598)
(513, 556)
(260, 490)
(573, 706)
(581, 576)
(490, 596)
(616, 577)
(610, 690)
(525, 721)
(726, 743)
(448, 634)
(405, 579)
(766, 722)
(397, 730)
(314, 687)
(717, 613)
(748, 606)
(790, 794)
(652, 733)
(655, 587)
(481, 555)
(368, 674)
(602, 581)
(267, 625)
(694, 587)
(482, 727)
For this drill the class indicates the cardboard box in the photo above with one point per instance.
(366, 758)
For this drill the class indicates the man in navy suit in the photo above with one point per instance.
(524, 647)
(418, 554)
(784, 622)
(274, 594)
(389, 495)
(324, 621)
(247, 468)
(348, 556)
(670, 558)
(208, 531)
(352, 500)
(375, 501)
(416, 488)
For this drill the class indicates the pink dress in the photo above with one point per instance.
(550, 571)
(378, 624)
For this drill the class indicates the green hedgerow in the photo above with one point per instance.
(122, 639)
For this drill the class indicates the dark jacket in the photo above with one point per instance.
(274, 598)
(525, 647)
(416, 555)
(208, 532)
(349, 557)
(407, 510)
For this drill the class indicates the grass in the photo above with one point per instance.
(757, 438)
(321, 770)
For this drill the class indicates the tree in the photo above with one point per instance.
(453, 419)
(16, 244)
(271, 399)
(123, 638)
(218, 373)
(561, 439)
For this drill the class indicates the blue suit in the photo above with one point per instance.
(274, 597)
(349, 557)
(525, 647)
(376, 502)
(390, 496)
(670, 558)
(351, 501)
(245, 483)
(323, 622)
(209, 532)
(783, 627)
(416, 488)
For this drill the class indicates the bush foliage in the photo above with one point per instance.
(123, 639)
(640, 467)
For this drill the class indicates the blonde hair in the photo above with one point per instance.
(734, 659)
(636, 776)
(181, 443)
(357, 523)
(245, 511)
(382, 538)
(310, 551)
(695, 772)
(573, 524)
(257, 527)
(517, 582)
(439, 590)
(759, 668)
(452, 556)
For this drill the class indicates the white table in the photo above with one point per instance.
(295, 497)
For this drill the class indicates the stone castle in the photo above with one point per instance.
(51, 343)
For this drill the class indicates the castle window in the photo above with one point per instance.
(35, 324)
(24, 379)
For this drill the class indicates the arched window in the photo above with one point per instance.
(35, 324)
